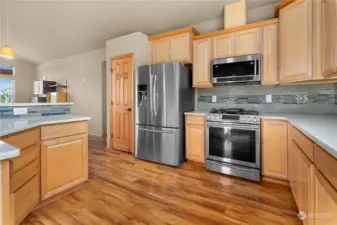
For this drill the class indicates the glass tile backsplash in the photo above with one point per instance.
(314, 98)
(36, 110)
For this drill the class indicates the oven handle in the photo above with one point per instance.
(241, 126)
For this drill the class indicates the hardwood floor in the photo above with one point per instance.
(125, 190)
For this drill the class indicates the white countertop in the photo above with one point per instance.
(13, 125)
(320, 128)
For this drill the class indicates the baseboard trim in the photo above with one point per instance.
(276, 181)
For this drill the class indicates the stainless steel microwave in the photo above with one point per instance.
(240, 69)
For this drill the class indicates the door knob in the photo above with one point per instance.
(129, 109)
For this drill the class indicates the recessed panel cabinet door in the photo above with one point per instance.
(325, 201)
(202, 56)
(223, 46)
(270, 55)
(328, 38)
(195, 143)
(160, 50)
(296, 42)
(64, 163)
(181, 48)
(248, 41)
(274, 149)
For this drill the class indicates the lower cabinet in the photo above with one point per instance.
(325, 201)
(274, 149)
(64, 164)
(195, 138)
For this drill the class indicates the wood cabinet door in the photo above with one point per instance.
(306, 186)
(160, 50)
(195, 143)
(296, 41)
(325, 201)
(223, 46)
(248, 41)
(294, 171)
(274, 149)
(328, 37)
(181, 48)
(64, 164)
(202, 56)
(270, 55)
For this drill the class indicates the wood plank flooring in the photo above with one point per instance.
(126, 190)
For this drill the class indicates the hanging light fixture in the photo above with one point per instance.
(7, 52)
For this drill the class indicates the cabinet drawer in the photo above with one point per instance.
(24, 139)
(195, 120)
(25, 199)
(306, 145)
(327, 164)
(63, 130)
(27, 156)
(24, 175)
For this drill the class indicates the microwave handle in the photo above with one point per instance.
(255, 65)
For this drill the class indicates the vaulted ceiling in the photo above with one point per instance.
(43, 30)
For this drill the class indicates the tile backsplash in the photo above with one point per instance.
(35, 110)
(313, 98)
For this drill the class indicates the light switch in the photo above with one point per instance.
(214, 98)
(269, 98)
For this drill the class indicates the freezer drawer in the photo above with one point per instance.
(160, 145)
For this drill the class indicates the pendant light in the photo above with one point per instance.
(7, 52)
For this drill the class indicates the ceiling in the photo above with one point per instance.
(44, 30)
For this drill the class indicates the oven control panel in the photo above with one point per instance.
(250, 119)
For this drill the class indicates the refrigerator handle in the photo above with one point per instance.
(155, 94)
(151, 93)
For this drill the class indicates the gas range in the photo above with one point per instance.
(234, 115)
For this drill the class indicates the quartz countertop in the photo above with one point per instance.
(13, 125)
(320, 128)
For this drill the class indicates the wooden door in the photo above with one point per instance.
(202, 56)
(181, 48)
(274, 149)
(195, 143)
(223, 46)
(306, 186)
(270, 55)
(328, 41)
(122, 103)
(64, 164)
(325, 201)
(296, 42)
(248, 41)
(160, 50)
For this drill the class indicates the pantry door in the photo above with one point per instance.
(122, 102)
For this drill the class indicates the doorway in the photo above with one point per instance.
(122, 103)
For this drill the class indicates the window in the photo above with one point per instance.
(6, 84)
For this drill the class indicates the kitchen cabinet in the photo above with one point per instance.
(195, 138)
(294, 171)
(296, 36)
(328, 19)
(223, 46)
(172, 46)
(325, 201)
(64, 163)
(248, 41)
(274, 149)
(270, 55)
(160, 50)
(202, 56)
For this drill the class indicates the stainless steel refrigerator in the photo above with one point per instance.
(164, 92)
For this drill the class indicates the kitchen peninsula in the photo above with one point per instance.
(43, 153)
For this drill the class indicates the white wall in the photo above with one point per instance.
(84, 75)
(25, 75)
(136, 43)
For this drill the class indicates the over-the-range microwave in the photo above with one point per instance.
(240, 69)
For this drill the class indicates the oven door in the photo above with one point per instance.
(234, 143)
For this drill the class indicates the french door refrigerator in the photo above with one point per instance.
(164, 92)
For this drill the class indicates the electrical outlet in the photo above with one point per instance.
(269, 98)
(214, 98)
(20, 111)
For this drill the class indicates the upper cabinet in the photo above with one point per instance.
(172, 46)
(223, 46)
(248, 41)
(202, 56)
(296, 41)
